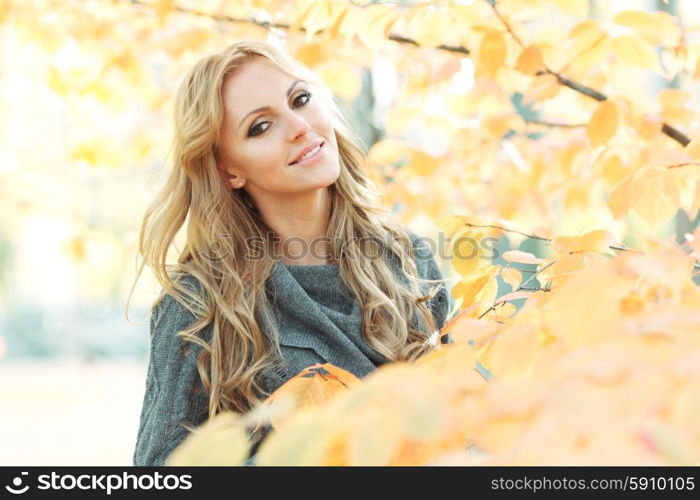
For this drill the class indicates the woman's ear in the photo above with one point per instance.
(230, 174)
(236, 182)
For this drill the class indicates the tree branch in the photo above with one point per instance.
(696, 266)
(667, 129)
(520, 288)
(554, 125)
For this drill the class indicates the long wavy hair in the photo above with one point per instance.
(197, 194)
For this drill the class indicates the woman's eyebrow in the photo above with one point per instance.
(265, 108)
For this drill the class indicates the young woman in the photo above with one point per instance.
(289, 259)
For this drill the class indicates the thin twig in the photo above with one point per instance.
(548, 240)
(520, 288)
(505, 23)
(554, 125)
(667, 129)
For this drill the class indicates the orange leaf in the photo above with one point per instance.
(492, 52)
(514, 351)
(594, 241)
(604, 123)
(312, 387)
(614, 170)
(530, 60)
(542, 88)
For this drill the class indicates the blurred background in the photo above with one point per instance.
(86, 91)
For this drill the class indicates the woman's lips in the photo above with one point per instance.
(310, 159)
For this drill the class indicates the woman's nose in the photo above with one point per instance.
(298, 127)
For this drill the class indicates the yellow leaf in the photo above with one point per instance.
(502, 311)
(452, 359)
(636, 52)
(375, 23)
(614, 170)
(673, 106)
(375, 442)
(530, 60)
(576, 197)
(388, 152)
(694, 148)
(303, 441)
(511, 276)
(521, 257)
(565, 266)
(594, 241)
(341, 78)
(577, 8)
(221, 441)
(163, 8)
(312, 54)
(487, 297)
(588, 44)
(585, 309)
(57, 81)
(542, 88)
(469, 290)
(657, 27)
(422, 163)
(492, 52)
(317, 18)
(603, 124)
(431, 26)
(464, 328)
(652, 192)
(673, 98)
(696, 72)
(513, 353)
(521, 294)
(339, 13)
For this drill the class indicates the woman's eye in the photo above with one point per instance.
(305, 96)
(258, 129)
(261, 127)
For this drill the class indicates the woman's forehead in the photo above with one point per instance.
(258, 73)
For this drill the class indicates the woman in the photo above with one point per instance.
(289, 259)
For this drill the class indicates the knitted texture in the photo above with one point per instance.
(318, 321)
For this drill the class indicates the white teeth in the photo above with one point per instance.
(310, 153)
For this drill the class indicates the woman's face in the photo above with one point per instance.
(272, 131)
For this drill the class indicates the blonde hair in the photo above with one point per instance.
(197, 194)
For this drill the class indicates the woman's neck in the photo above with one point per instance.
(301, 224)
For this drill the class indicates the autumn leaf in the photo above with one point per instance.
(492, 52)
(311, 388)
(593, 241)
(636, 52)
(221, 441)
(511, 276)
(656, 27)
(520, 257)
(603, 124)
(530, 60)
(652, 192)
(342, 79)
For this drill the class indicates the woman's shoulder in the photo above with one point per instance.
(174, 308)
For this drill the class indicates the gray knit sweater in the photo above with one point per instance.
(318, 322)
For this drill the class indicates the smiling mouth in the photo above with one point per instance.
(310, 154)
